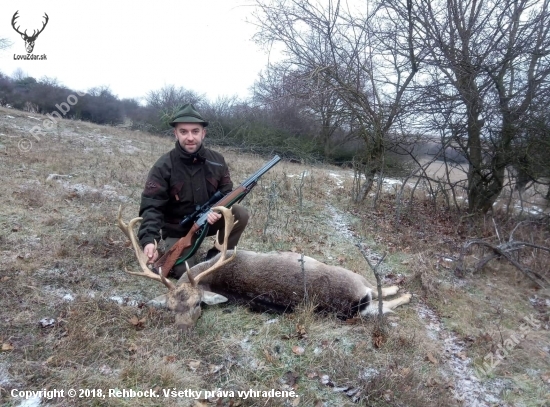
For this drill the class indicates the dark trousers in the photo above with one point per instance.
(240, 214)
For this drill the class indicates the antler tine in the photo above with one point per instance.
(44, 24)
(128, 230)
(229, 223)
(121, 224)
(15, 17)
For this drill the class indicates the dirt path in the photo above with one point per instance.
(454, 365)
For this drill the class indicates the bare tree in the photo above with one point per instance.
(4, 44)
(292, 95)
(170, 97)
(366, 57)
(489, 63)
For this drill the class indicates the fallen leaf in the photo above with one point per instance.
(462, 355)
(194, 365)
(5, 278)
(399, 280)
(432, 382)
(545, 377)
(352, 321)
(298, 350)
(290, 379)
(285, 336)
(301, 332)
(431, 358)
(312, 375)
(484, 338)
(132, 348)
(48, 360)
(296, 401)
(405, 371)
(214, 368)
(138, 323)
(378, 339)
(7, 346)
(268, 356)
(170, 358)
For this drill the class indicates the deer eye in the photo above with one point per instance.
(198, 304)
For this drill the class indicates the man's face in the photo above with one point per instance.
(190, 135)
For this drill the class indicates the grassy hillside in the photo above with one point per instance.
(71, 318)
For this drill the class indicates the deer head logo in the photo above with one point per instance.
(29, 39)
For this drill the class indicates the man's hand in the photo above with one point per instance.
(213, 217)
(151, 253)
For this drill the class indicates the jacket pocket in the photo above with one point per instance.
(176, 191)
(212, 185)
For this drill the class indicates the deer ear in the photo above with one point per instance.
(159, 302)
(211, 298)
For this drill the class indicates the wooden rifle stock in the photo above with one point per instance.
(167, 261)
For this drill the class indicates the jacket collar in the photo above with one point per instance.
(191, 158)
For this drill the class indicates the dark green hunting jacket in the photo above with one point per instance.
(176, 184)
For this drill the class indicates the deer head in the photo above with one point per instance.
(185, 299)
(29, 40)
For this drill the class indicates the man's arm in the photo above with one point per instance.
(153, 201)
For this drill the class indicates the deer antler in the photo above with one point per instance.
(229, 223)
(43, 26)
(15, 17)
(34, 33)
(128, 230)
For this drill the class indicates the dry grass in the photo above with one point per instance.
(63, 262)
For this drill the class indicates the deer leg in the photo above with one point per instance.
(386, 291)
(388, 306)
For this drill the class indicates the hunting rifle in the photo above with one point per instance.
(199, 229)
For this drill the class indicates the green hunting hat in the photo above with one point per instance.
(188, 114)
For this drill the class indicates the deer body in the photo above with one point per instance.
(273, 280)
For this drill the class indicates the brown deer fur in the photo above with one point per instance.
(273, 280)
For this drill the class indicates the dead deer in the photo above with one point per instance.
(272, 280)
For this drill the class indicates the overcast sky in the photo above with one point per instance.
(137, 46)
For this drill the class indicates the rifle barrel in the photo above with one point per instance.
(261, 172)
